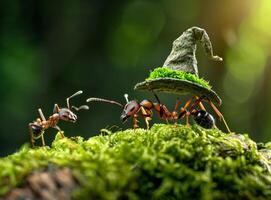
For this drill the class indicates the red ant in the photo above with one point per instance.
(132, 108)
(37, 128)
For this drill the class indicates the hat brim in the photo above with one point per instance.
(177, 86)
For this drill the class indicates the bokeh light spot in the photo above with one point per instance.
(141, 24)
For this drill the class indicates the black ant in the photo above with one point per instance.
(37, 128)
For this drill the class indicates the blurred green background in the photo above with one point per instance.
(50, 49)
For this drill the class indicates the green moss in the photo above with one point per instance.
(166, 162)
(164, 72)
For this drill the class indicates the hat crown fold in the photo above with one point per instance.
(183, 53)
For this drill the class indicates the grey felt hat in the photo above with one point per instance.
(183, 58)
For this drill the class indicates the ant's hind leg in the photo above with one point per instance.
(219, 114)
(201, 105)
(32, 141)
(135, 121)
(147, 121)
(147, 116)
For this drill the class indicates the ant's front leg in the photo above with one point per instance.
(135, 121)
(147, 116)
(219, 114)
(59, 130)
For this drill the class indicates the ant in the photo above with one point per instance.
(132, 108)
(144, 108)
(37, 128)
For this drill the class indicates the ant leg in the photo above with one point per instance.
(196, 103)
(41, 115)
(219, 114)
(135, 121)
(183, 110)
(185, 113)
(59, 130)
(161, 111)
(187, 120)
(177, 104)
(43, 119)
(32, 141)
(147, 116)
(157, 98)
(56, 108)
(147, 119)
(175, 113)
(200, 104)
(42, 140)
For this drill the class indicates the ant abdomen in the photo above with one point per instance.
(36, 130)
(204, 119)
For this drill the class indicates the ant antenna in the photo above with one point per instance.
(104, 100)
(126, 97)
(75, 94)
(83, 107)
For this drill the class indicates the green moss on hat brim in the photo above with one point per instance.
(179, 87)
(166, 162)
(164, 72)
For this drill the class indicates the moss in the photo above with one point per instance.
(164, 72)
(166, 162)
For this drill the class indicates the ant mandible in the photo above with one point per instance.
(37, 128)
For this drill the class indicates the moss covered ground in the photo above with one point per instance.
(164, 72)
(165, 162)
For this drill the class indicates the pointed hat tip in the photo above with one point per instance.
(183, 53)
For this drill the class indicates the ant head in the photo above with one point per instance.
(130, 109)
(66, 114)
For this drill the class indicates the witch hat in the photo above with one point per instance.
(179, 74)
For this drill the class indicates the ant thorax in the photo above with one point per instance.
(52, 121)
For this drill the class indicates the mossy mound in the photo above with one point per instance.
(164, 72)
(166, 162)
